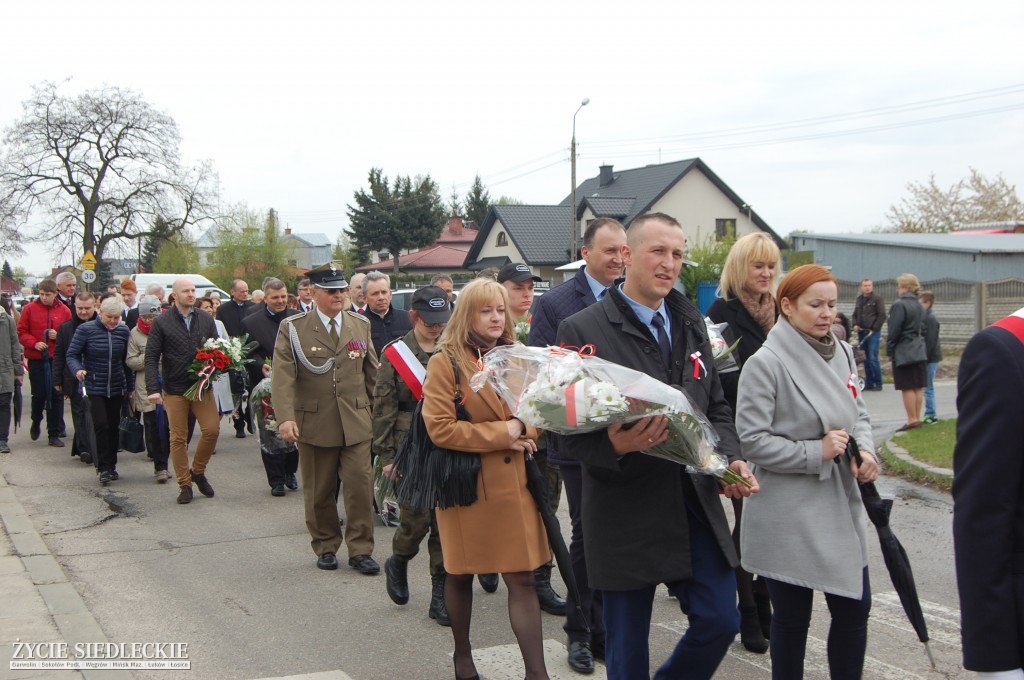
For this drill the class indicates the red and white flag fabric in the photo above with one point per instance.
(408, 366)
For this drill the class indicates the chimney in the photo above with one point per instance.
(287, 231)
(455, 225)
(606, 176)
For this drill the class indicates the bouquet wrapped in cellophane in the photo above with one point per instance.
(564, 391)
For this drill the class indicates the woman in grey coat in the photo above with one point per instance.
(798, 406)
(11, 371)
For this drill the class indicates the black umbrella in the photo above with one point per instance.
(16, 404)
(896, 560)
(538, 488)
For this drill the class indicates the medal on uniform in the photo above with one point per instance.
(356, 349)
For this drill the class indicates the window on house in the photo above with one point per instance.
(724, 229)
(501, 240)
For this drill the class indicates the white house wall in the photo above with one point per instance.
(696, 203)
(489, 249)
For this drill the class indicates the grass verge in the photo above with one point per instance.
(931, 444)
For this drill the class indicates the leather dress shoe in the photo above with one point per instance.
(581, 659)
(327, 561)
(291, 482)
(277, 490)
(364, 564)
(489, 582)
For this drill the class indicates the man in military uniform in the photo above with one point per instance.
(324, 373)
(399, 386)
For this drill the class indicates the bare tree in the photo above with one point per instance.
(95, 170)
(932, 209)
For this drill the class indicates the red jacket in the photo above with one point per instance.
(35, 319)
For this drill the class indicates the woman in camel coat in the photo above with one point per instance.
(502, 531)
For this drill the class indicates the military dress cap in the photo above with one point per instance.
(431, 303)
(328, 276)
(517, 272)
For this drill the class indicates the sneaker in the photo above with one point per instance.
(930, 420)
(106, 477)
(55, 441)
(4, 446)
(185, 495)
(203, 484)
(114, 476)
(162, 476)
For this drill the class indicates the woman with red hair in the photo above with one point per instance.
(798, 406)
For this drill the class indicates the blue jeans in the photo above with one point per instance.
(708, 599)
(929, 392)
(872, 369)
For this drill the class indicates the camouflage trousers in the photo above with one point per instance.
(412, 527)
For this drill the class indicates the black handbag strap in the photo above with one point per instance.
(458, 378)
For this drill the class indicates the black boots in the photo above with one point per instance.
(750, 630)
(396, 573)
(438, 611)
(550, 601)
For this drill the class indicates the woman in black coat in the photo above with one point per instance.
(748, 305)
(96, 357)
(906, 346)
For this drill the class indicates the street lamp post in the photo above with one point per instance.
(572, 208)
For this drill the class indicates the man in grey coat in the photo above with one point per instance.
(646, 325)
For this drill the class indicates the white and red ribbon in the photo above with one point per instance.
(408, 366)
(852, 384)
(575, 404)
(698, 364)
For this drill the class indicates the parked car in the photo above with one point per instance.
(203, 284)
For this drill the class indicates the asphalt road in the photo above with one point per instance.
(235, 578)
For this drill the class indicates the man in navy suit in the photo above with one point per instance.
(988, 508)
(603, 242)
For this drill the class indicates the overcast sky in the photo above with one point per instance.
(295, 102)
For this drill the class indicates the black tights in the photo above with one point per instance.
(748, 590)
(847, 636)
(523, 614)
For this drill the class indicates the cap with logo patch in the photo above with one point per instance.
(517, 272)
(431, 303)
(328, 276)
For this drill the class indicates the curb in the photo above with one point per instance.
(900, 461)
(64, 605)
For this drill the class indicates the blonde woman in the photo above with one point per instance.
(905, 345)
(748, 305)
(502, 531)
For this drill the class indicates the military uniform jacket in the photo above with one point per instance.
(331, 409)
(393, 403)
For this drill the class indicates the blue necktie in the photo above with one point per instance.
(666, 349)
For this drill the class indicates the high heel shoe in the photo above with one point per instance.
(459, 677)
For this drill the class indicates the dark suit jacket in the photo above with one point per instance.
(742, 326)
(231, 315)
(262, 329)
(553, 307)
(988, 501)
(392, 326)
(625, 549)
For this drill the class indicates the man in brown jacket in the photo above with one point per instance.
(322, 385)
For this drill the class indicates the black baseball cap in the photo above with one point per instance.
(431, 303)
(518, 272)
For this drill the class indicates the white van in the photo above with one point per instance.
(203, 284)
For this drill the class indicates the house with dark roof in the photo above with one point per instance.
(444, 256)
(538, 235)
(307, 250)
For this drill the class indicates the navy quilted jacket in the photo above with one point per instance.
(101, 352)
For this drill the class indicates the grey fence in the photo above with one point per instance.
(962, 307)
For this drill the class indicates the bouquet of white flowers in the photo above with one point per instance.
(565, 392)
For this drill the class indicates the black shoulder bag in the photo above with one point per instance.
(431, 476)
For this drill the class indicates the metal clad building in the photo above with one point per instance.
(968, 257)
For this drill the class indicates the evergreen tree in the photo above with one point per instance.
(7, 271)
(394, 216)
(161, 232)
(478, 200)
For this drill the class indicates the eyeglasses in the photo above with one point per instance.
(436, 326)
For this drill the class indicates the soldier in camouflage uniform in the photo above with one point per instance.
(393, 405)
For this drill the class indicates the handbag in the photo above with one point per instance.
(910, 350)
(130, 435)
(432, 476)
